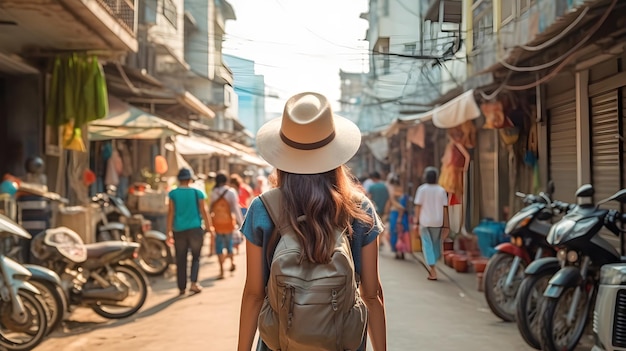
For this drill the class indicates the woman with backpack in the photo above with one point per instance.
(328, 230)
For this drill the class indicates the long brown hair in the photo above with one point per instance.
(329, 200)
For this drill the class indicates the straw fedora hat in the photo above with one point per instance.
(308, 138)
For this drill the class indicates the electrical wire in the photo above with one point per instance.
(567, 53)
(554, 72)
(558, 36)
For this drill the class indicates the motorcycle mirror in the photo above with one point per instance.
(545, 197)
(520, 194)
(585, 190)
(9, 226)
(550, 188)
(619, 196)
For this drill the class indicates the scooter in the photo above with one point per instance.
(101, 276)
(608, 317)
(117, 223)
(46, 281)
(527, 229)
(23, 320)
(581, 254)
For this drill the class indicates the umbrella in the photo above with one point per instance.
(128, 122)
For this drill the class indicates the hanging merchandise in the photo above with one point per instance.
(73, 138)
(494, 115)
(76, 96)
(160, 165)
(453, 165)
(417, 135)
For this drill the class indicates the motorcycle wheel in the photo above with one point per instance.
(555, 334)
(23, 335)
(528, 306)
(132, 279)
(153, 258)
(53, 303)
(501, 301)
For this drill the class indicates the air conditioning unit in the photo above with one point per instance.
(229, 95)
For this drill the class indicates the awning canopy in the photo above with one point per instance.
(197, 146)
(128, 122)
(140, 88)
(456, 111)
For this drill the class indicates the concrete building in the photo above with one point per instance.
(250, 90)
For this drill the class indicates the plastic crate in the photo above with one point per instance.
(489, 234)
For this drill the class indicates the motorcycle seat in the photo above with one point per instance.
(97, 250)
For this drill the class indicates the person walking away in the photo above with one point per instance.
(379, 194)
(398, 217)
(316, 211)
(244, 192)
(261, 185)
(431, 207)
(209, 184)
(245, 196)
(186, 211)
(226, 218)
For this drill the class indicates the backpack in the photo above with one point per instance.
(221, 216)
(309, 306)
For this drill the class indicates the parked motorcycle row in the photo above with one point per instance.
(108, 276)
(558, 268)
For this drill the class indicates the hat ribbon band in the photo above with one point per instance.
(308, 146)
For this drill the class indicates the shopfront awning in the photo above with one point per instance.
(197, 146)
(456, 111)
(128, 122)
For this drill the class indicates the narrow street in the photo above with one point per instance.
(422, 315)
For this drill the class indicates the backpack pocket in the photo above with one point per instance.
(269, 326)
(354, 325)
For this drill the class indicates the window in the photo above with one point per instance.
(483, 22)
(386, 62)
(170, 13)
(506, 11)
(410, 48)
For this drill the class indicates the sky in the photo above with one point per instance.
(299, 45)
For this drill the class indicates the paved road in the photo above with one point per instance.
(422, 315)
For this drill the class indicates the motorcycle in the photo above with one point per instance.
(527, 229)
(608, 316)
(46, 281)
(23, 320)
(117, 223)
(101, 276)
(581, 254)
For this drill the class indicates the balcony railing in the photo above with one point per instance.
(122, 10)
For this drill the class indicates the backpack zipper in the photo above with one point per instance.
(291, 304)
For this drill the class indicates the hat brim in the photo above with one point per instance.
(289, 159)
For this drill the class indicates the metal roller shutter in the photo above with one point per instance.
(487, 163)
(605, 157)
(562, 149)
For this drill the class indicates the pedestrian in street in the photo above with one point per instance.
(431, 207)
(226, 218)
(379, 193)
(186, 211)
(308, 146)
(398, 217)
(209, 184)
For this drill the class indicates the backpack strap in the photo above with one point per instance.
(272, 199)
(216, 200)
